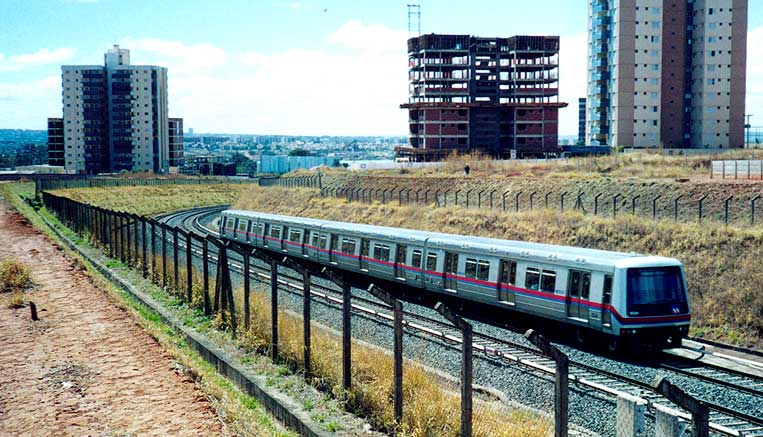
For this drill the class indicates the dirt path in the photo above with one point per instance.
(86, 368)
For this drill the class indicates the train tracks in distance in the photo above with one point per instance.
(691, 361)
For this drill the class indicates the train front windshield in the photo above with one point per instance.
(656, 291)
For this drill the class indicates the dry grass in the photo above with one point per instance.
(430, 407)
(149, 200)
(722, 263)
(15, 276)
(648, 165)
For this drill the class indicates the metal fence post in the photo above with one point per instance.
(479, 199)
(205, 264)
(164, 255)
(503, 198)
(700, 201)
(633, 203)
(466, 366)
(532, 198)
(675, 207)
(397, 312)
(545, 205)
(561, 395)
(614, 204)
(306, 299)
(700, 413)
(468, 192)
(175, 259)
(491, 198)
(596, 203)
(516, 201)
(274, 310)
(144, 243)
(346, 337)
(189, 266)
(561, 201)
(752, 207)
(654, 206)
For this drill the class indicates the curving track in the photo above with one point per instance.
(741, 377)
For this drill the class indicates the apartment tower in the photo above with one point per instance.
(497, 96)
(666, 73)
(115, 116)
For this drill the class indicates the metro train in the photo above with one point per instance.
(620, 296)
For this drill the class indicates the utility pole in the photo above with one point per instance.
(748, 126)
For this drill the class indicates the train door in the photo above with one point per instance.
(507, 275)
(401, 252)
(363, 258)
(249, 230)
(578, 289)
(606, 301)
(333, 248)
(450, 270)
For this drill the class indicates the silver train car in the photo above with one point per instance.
(619, 295)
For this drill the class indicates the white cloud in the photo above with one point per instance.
(295, 5)
(175, 55)
(40, 57)
(350, 87)
(754, 104)
(370, 37)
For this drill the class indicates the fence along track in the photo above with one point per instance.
(99, 222)
(723, 420)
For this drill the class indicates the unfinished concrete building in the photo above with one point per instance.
(497, 96)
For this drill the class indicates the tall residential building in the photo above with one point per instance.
(176, 144)
(581, 120)
(666, 73)
(498, 96)
(115, 116)
(56, 141)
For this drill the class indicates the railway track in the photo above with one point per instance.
(743, 376)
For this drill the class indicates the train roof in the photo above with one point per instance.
(553, 253)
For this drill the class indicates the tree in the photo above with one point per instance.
(300, 152)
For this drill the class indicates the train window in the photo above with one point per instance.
(471, 268)
(275, 232)
(315, 238)
(508, 272)
(432, 261)
(477, 268)
(532, 278)
(242, 225)
(262, 229)
(324, 239)
(585, 286)
(548, 281)
(381, 252)
(416, 258)
(348, 245)
(295, 235)
(483, 270)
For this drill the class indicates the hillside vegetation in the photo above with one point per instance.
(722, 263)
(149, 200)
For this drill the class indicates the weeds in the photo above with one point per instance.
(15, 276)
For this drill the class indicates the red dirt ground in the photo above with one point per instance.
(86, 368)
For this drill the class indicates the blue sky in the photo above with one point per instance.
(277, 67)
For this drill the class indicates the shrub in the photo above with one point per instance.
(14, 276)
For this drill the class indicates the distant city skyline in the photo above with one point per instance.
(280, 67)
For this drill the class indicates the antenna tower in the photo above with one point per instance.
(414, 19)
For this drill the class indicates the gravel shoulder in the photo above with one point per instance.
(86, 368)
